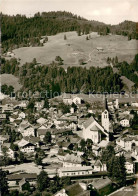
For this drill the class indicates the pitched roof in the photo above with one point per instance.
(73, 158)
(88, 122)
(84, 168)
(94, 128)
(100, 183)
(98, 163)
(21, 176)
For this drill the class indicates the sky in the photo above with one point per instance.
(107, 11)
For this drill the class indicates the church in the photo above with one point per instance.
(96, 132)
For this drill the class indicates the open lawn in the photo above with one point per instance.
(25, 167)
(10, 79)
(77, 47)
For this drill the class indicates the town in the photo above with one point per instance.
(91, 145)
(69, 98)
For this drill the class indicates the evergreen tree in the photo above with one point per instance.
(65, 37)
(43, 181)
(3, 183)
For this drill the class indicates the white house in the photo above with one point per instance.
(28, 132)
(134, 104)
(94, 131)
(129, 166)
(41, 121)
(26, 146)
(77, 100)
(124, 122)
(22, 115)
(99, 166)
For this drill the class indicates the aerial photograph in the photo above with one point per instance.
(69, 98)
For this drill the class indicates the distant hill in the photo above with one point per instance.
(19, 31)
(126, 28)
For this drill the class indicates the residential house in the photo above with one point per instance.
(127, 142)
(39, 105)
(96, 150)
(9, 153)
(77, 100)
(125, 122)
(29, 131)
(134, 104)
(23, 125)
(25, 146)
(41, 121)
(22, 115)
(2, 117)
(129, 165)
(14, 178)
(41, 132)
(7, 108)
(23, 104)
(99, 166)
(67, 99)
(72, 160)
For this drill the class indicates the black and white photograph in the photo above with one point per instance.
(69, 98)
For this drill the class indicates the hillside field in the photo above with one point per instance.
(77, 47)
(10, 79)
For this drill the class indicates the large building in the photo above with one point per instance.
(94, 131)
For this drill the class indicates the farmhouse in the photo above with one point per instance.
(26, 146)
(99, 49)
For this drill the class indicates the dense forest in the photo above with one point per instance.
(129, 70)
(20, 31)
(54, 78)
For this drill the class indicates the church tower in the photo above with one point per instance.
(105, 116)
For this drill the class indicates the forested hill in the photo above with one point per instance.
(20, 31)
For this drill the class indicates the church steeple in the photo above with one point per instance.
(105, 103)
(105, 116)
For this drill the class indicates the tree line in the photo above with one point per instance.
(129, 70)
(54, 79)
(20, 31)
